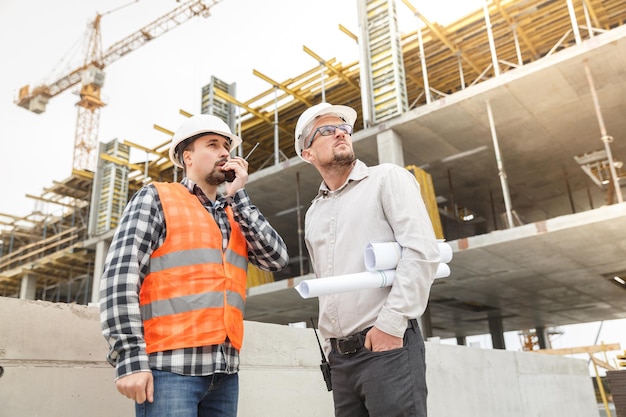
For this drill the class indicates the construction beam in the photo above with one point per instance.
(162, 129)
(47, 200)
(233, 100)
(83, 174)
(513, 24)
(581, 349)
(143, 148)
(334, 70)
(185, 113)
(442, 37)
(602, 363)
(11, 216)
(302, 79)
(16, 233)
(348, 32)
(282, 86)
(118, 161)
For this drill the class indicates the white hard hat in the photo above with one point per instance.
(196, 125)
(346, 113)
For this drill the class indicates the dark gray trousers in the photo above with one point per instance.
(381, 384)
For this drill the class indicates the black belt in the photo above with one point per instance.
(350, 344)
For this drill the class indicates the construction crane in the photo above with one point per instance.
(90, 74)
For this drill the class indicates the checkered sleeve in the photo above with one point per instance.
(266, 249)
(125, 267)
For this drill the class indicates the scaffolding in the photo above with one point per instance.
(112, 186)
(433, 60)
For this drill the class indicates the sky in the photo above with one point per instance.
(41, 41)
(151, 84)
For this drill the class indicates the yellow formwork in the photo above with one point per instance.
(427, 190)
(257, 276)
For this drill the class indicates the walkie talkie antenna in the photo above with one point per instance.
(324, 366)
(318, 341)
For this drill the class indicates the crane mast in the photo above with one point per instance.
(90, 74)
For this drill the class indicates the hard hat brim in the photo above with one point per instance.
(234, 142)
(348, 114)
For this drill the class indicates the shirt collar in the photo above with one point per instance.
(359, 171)
(194, 189)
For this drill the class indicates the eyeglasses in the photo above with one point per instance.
(329, 130)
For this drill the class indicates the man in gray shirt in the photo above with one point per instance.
(376, 347)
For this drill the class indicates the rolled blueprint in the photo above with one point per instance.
(386, 255)
(443, 270)
(342, 283)
(353, 282)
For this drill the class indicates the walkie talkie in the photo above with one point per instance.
(229, 176)
(324, 366)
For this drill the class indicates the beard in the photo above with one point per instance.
(343, 158)
(217, 175)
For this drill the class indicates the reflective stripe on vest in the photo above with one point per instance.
(197, 256)
(237, 260)
(190, 303)
(194, 293)
(187, 257)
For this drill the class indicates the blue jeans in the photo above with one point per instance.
(192, 396)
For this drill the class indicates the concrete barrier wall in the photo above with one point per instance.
(52, 357)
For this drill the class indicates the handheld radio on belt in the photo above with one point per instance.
(324, 366)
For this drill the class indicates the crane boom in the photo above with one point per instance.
(155, 29)
(91, 75)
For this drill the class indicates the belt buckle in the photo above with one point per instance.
(347, 345)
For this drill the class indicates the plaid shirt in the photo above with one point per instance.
(140, 232)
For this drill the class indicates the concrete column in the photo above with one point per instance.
(28, 288)
(461, 340)
(542, 338)
(389, 146)
(101, 251)
(426, 325)
(496, 330)
(364, 72)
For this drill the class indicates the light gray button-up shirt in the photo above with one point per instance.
(376, 204)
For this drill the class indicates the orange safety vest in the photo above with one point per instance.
(194, 293)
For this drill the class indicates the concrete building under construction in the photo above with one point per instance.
(512, 119)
